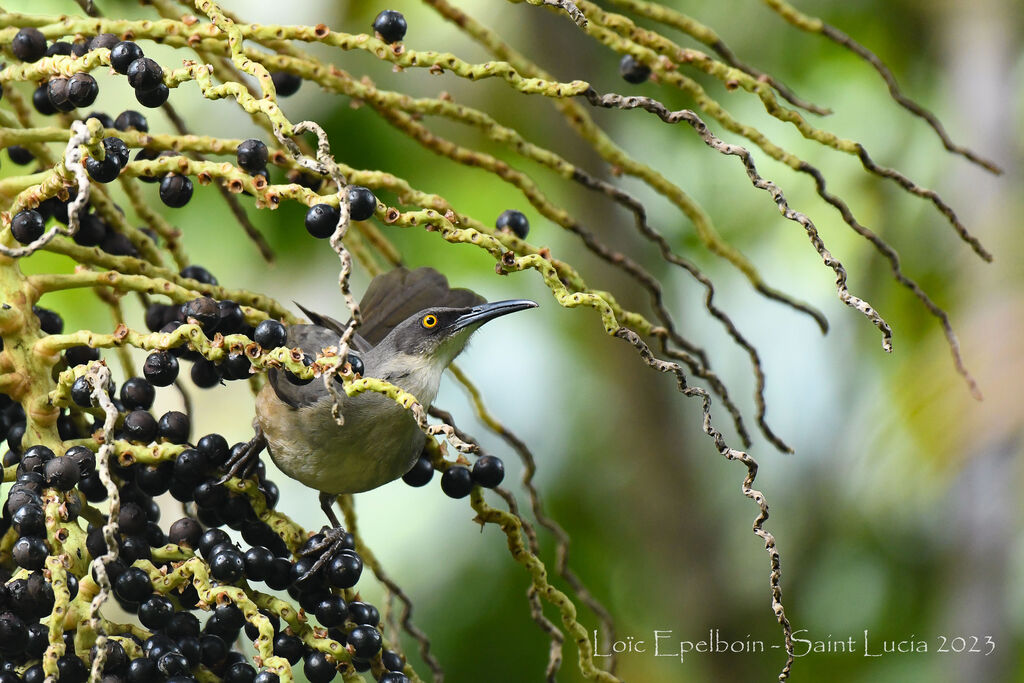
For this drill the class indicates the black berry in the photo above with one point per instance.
(34, 459)
(391, 26)
(82, 90)
(457, 482)
(515, 222)
(227, 566)
(123, 55)
(29, 520)
(270, 334)
(240, 672)
(175, 190)
(231, 318)
(84, 458)
(62, 473)
(20, 155)
(29, 44)
(160, 368)
(321, 220)
(236, 366)
(144, 74)
(41, 101)
(420, 474)
(91, 228)
(27, 226)
(115, 147)
(392, 661)
(133, 585)
(279, 574)
(317, 668)
(80, 355)
(131, 519)
(136, 392)
(60, 47)
(365, 642)
(215, 448)
(199, 274)
(57, 91)
(131, 120)
(156, 612)
(363, 613)
(174, 426)
(104, 120)
(104, 171)
(285, 83)
(488, 471)
(154, 97)
(185, 532)
(172, 664)
(81, 392)
(252, 155)
(344, 569)
(332, 611)
(71, 669)
(204, 374)
(362, 203)
(289, 647)
(140, 426)
(205, 311)
(104, 41)
(633, 71)
(30, 552)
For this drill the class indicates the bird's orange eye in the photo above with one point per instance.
(429, 321)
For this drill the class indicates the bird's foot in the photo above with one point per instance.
(324, 546)
(244, 462)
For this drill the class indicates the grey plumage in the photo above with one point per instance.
(380, 440)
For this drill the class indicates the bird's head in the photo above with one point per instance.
(437, 335)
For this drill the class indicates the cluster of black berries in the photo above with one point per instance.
(144, 75)
(80, 90)
(180, 642)
(225, 317)
(175, 189)
(322, 219)
(59, 94)
(29, 225)
(457, 481)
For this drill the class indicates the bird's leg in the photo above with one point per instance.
(335, 537)
(244, 463)
(327, 501)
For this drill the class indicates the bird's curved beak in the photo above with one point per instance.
(478, 315)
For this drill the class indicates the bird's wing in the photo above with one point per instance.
(312, 339)
(399, 293)
(358, 341)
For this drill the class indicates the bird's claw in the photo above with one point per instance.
(244, 463)
(334, 539)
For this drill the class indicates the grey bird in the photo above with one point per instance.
(413, 327)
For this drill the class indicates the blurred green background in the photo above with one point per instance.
(899, 512)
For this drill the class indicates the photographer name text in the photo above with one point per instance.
(663, 643)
